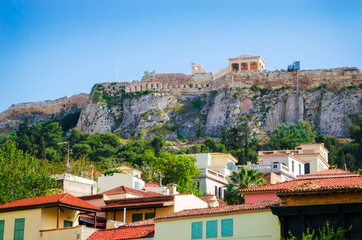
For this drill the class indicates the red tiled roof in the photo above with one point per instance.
(282, 154)
(142, 199)
(140, 223)
(135, 205)
(124, 232)
(64, 199)
(151, 185)
(138, 192)
(207, 198)
(228, 209)
(317, 184)
(329, 173)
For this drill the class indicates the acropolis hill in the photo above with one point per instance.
(178, 105)
(243, 71)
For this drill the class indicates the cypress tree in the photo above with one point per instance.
(41, 150)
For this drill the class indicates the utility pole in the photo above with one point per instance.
(294, 68)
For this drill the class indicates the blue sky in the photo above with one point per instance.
(50, 49)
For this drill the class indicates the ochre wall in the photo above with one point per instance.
(32, 223)
(254, 225)
(49, 217)
(322, 199)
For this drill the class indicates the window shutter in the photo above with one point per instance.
(137, 217)
(196, 230)
(68, 223)
(2, 226)
(19, 229)
(227, 228)
(149, 215)
(211, 229)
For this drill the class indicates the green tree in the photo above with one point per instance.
(288, 135)
(174, 169)
(20, 175)
(244, 178)
(157, 143)
(41, 150)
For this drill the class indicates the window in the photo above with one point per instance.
(68, 223)
(2, 225)
(306, 168)
(136, 217)
(19, 229)
(293, 166)
(227, 228)
(220, 193)
(215, 190)
(196, 230)
(211, 229)
(136, 185)
(300, 169)
(149, 215)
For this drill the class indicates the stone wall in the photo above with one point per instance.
(206, 82)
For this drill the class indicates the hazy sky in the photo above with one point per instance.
(50, 49)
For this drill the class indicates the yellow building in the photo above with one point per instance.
(126, 210)
(39, 217)
(247, 221)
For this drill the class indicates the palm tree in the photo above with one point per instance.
(244, 178)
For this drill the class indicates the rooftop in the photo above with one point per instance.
(228, 209)
(311, 185)
(244, 56)
(125, 232)
(63, 199)
(225, 154)
(330, 173)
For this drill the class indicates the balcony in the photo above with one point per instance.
(206, 172)
(275, 167)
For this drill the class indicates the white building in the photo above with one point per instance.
(130, 178)
(288, 164)
(76, 186)
(215, 169)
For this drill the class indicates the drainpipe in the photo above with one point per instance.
(124, 215)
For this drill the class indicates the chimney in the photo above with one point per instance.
(172, 187)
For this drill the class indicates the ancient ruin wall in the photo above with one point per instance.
(206, 82)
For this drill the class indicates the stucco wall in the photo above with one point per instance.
(255, 225)
(188, 201)
(32, 226)
(260, 197)
(49, 217)
(68, 233)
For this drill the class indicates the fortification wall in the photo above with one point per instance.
(337, 77)
(46, 107)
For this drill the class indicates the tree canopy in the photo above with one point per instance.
(21, 176)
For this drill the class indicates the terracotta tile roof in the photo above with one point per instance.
(316, 184)
(138, 192)
(329, 173)
(151, 185)
(228, 209)
(207, 198)
(142, 199)
(137, 205)
(314, 144)
(64, 199)
(124, 232)
(140, 223)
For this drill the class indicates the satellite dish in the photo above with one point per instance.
(231, 166)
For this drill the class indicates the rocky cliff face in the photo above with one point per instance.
(40, 111)
(188, 115)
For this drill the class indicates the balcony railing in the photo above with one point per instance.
(275, 167)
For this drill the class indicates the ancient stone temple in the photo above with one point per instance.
(246, 63)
